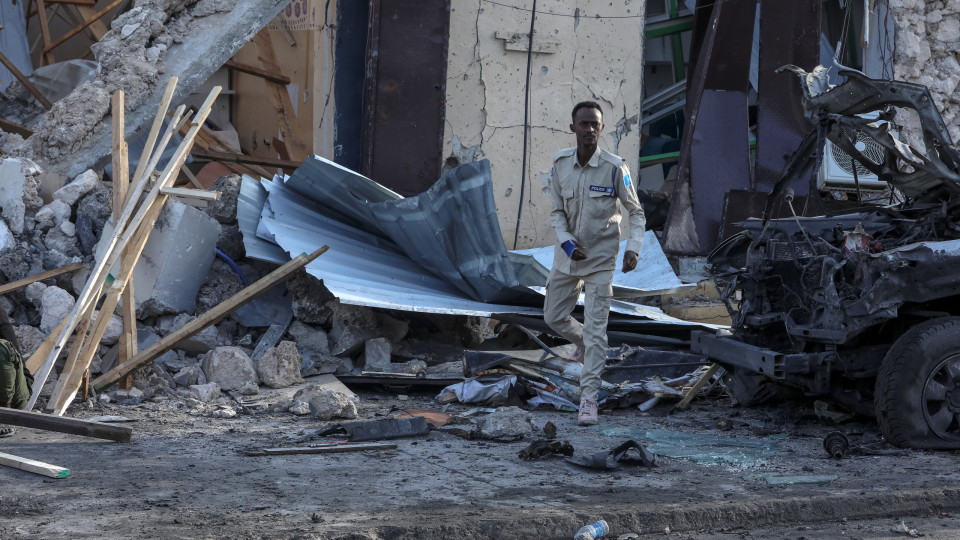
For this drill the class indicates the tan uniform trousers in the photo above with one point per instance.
(563, 291)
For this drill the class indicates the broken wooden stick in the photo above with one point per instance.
(73, 426)
(189, 193)
(219, 312)
(121, 181)
(21, 283)
(154, 132)
(34, 91)
(697, 386)
(34, 466)
(326, 449)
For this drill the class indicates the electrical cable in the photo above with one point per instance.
(526, 122)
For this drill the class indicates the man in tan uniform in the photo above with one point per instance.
(588, 187)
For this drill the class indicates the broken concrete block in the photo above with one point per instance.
(229, 367)
(224, 413)
(220, 284)
(205, 392)
(12, 180)
(249, 389)
(48, 182)
(80, 186)
(56, 305)
(188, 376)
(92, 214)
(351, 339)
(68, 229)
(376, 354)
(30, 339)
(6, 237)
(224, 209)
(506, 422)
(132, 396)
(57, 240)
(34, 292)
(310, 299)
(328, 404)
(52, 215)
(175, 261)
(326, 363)
(280, 366)
(446, 368)
(311, 342)
(299, 408)
(114, 330)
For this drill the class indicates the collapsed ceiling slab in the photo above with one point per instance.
(147, 45)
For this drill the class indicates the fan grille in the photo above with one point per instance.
(872, 151)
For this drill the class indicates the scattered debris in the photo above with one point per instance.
(543, 447)
(629, 453)
(322, 449)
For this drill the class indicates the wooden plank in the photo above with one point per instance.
(96, 16)
(211, 155)
(34, 91)
(121, 238)
(695, 389)
(290, 124)
(97, 28)
(34, 466)
(219, 312)
(266, 74)
(46, 57)
(191, 193)
(121, 181)
(326, 449)
(21, 283)
(73, 426)
(13, 127)
(155, 130)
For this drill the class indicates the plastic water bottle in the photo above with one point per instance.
(594, 530)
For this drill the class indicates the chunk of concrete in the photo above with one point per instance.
(12, 180)
(30, 339)
(224, 209)
(205, 392)
(52, 215)
(6, 236)
(376, 354)
(114, 330)
(80, 186)
(229, 367)
(351, 340)
(506, 422)
(188, 376)
(280, 366)
(56, 305)
(326, 404)
(175, 261)
(311, 341)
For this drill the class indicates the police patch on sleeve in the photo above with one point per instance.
(626, 179)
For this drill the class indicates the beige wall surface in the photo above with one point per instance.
(583, 50)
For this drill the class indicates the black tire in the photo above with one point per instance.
(917, 395)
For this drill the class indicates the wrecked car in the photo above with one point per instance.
(862, 305)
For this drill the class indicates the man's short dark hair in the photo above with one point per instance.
(585, 105)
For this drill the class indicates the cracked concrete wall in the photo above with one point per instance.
(927, 44)
(583, 50)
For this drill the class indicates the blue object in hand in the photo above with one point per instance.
(568, 247)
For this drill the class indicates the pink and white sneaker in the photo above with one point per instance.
(588, 412)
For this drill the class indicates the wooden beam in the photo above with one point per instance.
(31, 465)
(120, 240)
(211, 317)
(13, 127)
(211, 155)
(326, 449)
(34, 91)
(121, 181)
(154, 131)
(78, 29)
(98, 28)
(191, 193)
(73, 426)
(695, 389)
(21, 283)
(266, 74)
(46, 57)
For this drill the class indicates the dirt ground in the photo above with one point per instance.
(187, 476)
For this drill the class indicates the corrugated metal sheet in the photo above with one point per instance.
(653, 274)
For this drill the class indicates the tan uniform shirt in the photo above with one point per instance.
(587, 205)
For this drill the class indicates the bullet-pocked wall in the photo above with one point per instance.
(582, 50)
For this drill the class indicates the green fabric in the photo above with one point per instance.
(15, 380)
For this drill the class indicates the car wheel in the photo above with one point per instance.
(917, 395)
